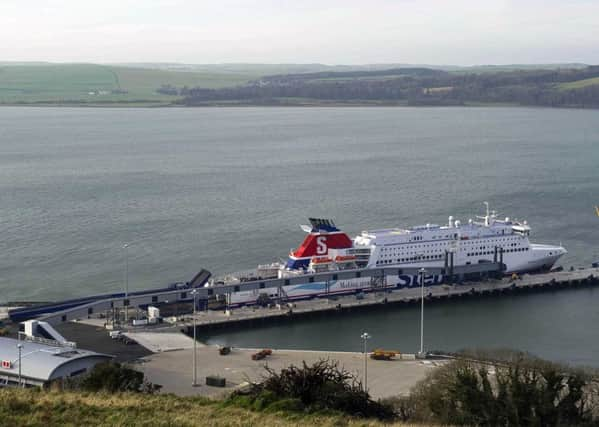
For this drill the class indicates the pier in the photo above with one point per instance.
(66, 311)
(467, 281)
(240, 317)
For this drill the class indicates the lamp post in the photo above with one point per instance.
(195, 370)
(126, 303)
(422, 273)
(365, 336)
(20, 347)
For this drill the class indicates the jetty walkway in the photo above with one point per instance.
(207, 320)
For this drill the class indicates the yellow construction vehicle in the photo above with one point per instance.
(380, 354)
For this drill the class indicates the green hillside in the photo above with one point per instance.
(100, 84)
(579, 83)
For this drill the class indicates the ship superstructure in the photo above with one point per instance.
(474, 242)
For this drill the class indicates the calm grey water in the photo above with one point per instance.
(226, 189)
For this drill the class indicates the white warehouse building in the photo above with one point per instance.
(41, 364)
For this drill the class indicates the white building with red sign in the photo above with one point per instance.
(39, 364)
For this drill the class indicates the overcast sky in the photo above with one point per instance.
(462, 32)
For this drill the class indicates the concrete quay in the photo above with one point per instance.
(173, 369)
(166, 358)
(209, 320)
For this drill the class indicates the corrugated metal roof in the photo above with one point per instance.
(39, 361)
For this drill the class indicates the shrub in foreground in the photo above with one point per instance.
(521, 392)
(113, 377)
(320, 387)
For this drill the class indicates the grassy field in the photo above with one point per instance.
(579, 84)
(96, 84)
(40, 408)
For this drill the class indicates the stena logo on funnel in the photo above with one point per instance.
(321, 245)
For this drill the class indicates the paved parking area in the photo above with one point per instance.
(173, 370)
(95, 338)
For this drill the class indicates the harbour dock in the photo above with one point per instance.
(244, 316)
(479, 280)
(165, 355)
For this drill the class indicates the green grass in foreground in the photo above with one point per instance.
(72, 83)
(579, 83)
(45, 408)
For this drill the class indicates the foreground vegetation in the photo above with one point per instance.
(323, 386)
(512, 390)
(61, 408)
(477, 389)
(115, 394)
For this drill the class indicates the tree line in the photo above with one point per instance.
(409, 86)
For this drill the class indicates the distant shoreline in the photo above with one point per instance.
(105, 86)
(288, 105)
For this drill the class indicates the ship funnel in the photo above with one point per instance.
(450, 221)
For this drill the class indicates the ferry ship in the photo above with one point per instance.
(326, 248)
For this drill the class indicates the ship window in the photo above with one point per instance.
(261, 285)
